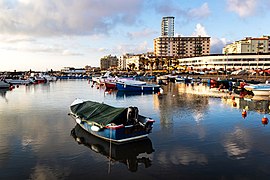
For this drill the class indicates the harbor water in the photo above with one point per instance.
(195, 136)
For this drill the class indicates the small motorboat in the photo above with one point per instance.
(113, 124)
(259, 89)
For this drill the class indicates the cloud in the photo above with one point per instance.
(72, 17)
(199, 31)
(200, 12)
(243, 8)
(217, 44)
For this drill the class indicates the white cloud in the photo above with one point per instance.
(51, 18)
(200, 12)
(243, 8)
(166, 7)
(199, 31)
(217, 44)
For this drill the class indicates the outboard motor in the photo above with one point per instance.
(132, 115)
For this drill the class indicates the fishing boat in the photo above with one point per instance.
(131, 154)
(113, 124)
(259, 89)
(122, 86)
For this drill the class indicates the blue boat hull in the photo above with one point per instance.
(137, 88)
(119, 134)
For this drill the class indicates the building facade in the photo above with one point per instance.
(230, 61)
(248, 45)
(167, 26)
(181, 47)
(108, 62)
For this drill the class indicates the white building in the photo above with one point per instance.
(248, 45)
(230, 61)
(122, 63)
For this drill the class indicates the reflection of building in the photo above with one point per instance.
(180, 104)
(261, 106)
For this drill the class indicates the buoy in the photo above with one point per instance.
(244, 113)
(234, 104)
(158, 93)
(233, 98)
(264, 120)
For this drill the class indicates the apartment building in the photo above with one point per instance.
(248, 45)
(108, 62)
(167, 26)
(181, 47)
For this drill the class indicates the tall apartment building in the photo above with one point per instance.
(248, 45)
(181, 47)
(108, 62)
(167, 26)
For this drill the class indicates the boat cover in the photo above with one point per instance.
(100, 113)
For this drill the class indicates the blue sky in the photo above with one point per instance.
(49, 34)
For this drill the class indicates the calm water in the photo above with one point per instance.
(194, 136)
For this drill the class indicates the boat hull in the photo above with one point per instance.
(117, 133)
(110, 85)
(138, 88)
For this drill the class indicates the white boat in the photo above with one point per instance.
(101, 79)
(49, 78)
(259, 89)
(4, 85)
(130, 81)
(19, 81)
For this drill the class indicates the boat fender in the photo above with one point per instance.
(264, 120)
(244, 113)
(78, 120)
(95, 128)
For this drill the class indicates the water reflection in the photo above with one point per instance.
(237, 144)
(122, 94)
(260, 106)
(177, 103)
(3, 93)
(131, 154)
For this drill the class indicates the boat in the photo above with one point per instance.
(110, 85)
(19, 81)
(114, 124)
(259, 89)
(131, 154)
(4, 85)
(121, 86)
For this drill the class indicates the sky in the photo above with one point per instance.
(47, 34)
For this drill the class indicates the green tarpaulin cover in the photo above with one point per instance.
(100, 113)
